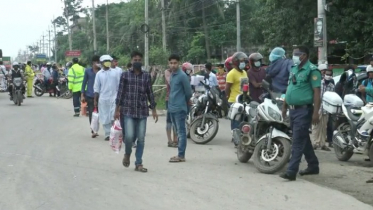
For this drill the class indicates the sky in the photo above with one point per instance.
(23, 22)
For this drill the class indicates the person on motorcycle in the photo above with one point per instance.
(228, 64)
(47, 73)
(278, 70)
(256, 74)
(55, 77)
(15, 73)
(210, 78)
(236, 78)
(29, 78)
(76, 76)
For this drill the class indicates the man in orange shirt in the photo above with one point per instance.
(221, 76)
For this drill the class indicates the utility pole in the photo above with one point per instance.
(164, 44)
(107, 27)
(68, 26)
(94, 28)
(41, 47)
(49, 44)
(323, 51)
(146, 35)
(55, 42)
(43, 43)
(238, 25)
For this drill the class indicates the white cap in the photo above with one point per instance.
(322, 67)
(48, 64)
(106, 58)
(15, 64)
(369, 68)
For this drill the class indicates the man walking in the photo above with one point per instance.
(75, 76)
(105, 89)
(178, 103)
(87, 88)
(29, 73)
(135, 90)
(171, 142)
(303, 99)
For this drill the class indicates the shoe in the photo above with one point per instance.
(331, 145)
(76, 115)
(30, 96)
(325, 148)
(315, 146)
(308, 171)
(288, 177)
(107, 138)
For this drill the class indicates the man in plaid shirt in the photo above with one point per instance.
(319, 131)
(135, 90)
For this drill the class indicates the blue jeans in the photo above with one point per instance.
(234, 123)
(178, 120)
(300, 122)
(135, 128)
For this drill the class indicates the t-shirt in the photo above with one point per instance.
(256, 76)
(221, 80)
(167, 76)
(237, 79)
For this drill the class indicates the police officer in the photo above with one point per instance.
(303, 100)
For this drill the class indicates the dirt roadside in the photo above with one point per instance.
(348, 177)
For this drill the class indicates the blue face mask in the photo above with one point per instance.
(137, 65)
(242, 65)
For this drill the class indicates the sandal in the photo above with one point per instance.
(177, 159)
(173, 144)
(140, 168)
(94, 135)
(126, 161)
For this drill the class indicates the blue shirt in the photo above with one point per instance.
(88, 83)
(180, 92)
(368, 84)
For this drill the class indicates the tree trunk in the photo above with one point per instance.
(207, 41)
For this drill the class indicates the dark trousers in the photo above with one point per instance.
(300, 122)
(329, 129)
(76, 101)
(55, 91)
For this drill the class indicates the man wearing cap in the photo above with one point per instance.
(105, 92)
(76, 76)
(278, 70)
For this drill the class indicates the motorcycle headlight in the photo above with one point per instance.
(272, 113)
(218, 100)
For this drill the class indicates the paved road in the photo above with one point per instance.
(48, 161)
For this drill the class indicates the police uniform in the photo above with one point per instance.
(299, 97)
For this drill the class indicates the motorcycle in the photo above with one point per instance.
(273, 147)
(17, 91)
(191, 114)
(40, 88)
(209, 108)
(354, 128)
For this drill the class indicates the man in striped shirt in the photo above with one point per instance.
(221, 76)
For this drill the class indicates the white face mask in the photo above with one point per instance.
(327, 77)
(242, 65)
(257, 64)
(296, 60)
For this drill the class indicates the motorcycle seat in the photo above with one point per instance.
(354, 116)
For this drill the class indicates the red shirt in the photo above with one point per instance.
(221, 80)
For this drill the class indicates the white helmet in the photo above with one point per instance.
(48, 64)
(15, 64)
(322, 67)
(369, 68)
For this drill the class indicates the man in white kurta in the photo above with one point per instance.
(105, 89)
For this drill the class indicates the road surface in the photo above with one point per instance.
(49, 161)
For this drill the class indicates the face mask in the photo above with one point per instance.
(327, 77)
(188, 71)
(221, 70)
(296, 60)
(107, 64)
(257, 64)
(137, 65)
(242, 65)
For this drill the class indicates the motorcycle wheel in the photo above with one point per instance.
(196, 132)
(340, 153)
(68, 94)
(189, 119)
(280, 146)
(38, 92)
(242, 155)
(19, 99)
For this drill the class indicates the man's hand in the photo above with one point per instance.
(362, 88)
(117, 115)
(155, 115)
(189, 103)
(82, 98)
(95, 103)
(284, 110)
(315, 118)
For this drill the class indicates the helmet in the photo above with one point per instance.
(75, 60)
(255, 56)
(322, 67)
(15, 64)
(48, 64)
(69, 64)
(228, 64)
(237, 57)
(369, 68)
(187, 66)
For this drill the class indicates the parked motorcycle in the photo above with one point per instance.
(209, 108)
(17, 91)
(354, 128)
(40, 88)
(272, 150)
